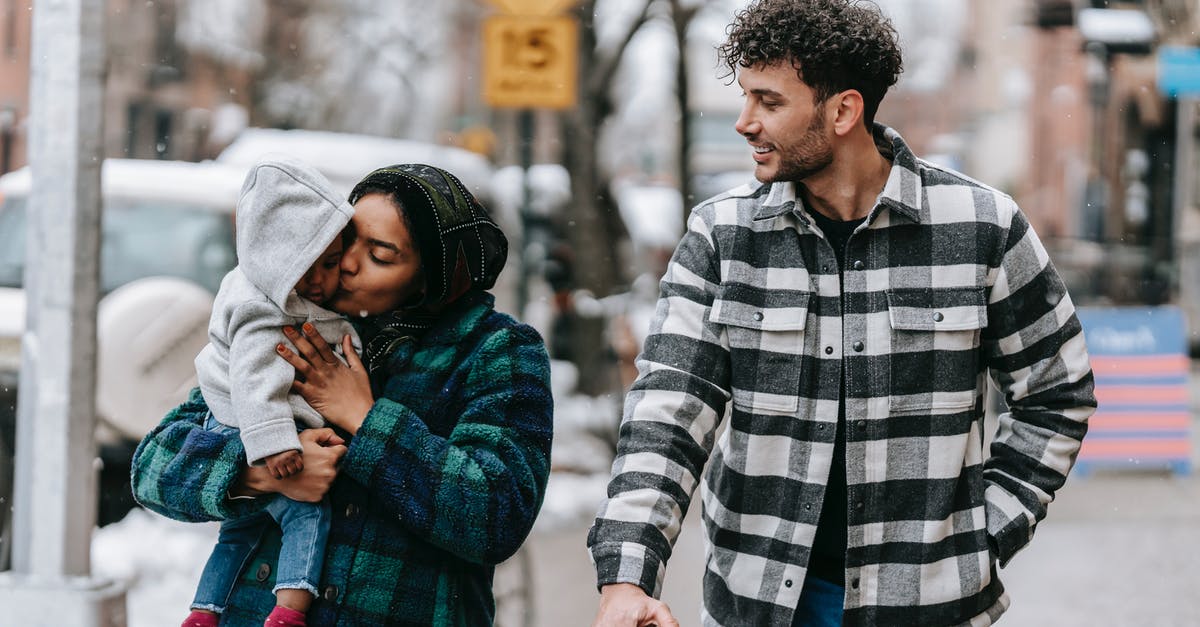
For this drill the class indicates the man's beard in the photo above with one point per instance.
(809, 157)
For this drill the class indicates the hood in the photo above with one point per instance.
(286, 217)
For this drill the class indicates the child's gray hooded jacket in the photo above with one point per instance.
(287, 215)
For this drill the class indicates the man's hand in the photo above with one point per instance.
(626, 605)
(284, 464)
(323, 449)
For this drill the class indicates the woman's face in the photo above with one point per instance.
(381, 266)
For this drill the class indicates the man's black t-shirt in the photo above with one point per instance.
(828, 560)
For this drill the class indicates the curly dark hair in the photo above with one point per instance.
(834, 45)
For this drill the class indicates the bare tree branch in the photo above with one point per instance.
(606, 68)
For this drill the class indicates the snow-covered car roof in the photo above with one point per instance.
(206, 184)
(346, 157)
(653, 214)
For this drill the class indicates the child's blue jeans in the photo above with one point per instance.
(305, 527)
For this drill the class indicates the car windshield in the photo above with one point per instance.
(140, 238)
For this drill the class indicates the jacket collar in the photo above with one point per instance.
(902, 193)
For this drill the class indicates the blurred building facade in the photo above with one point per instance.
(1021, 95)
(1105, 144)
(184, 76)
(15, 26)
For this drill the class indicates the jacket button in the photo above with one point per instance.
(330, 593)
(787, 583)
(858, 265)
(828, 350)
(758, 316)
(351, 510)
(854, 583)
(937, 316)
(862, 425)
(858, 347)
(264, 571)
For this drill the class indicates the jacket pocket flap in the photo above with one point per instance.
(741, 305)
(937, 309)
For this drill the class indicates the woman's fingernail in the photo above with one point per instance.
(308, 328)
(280, 347)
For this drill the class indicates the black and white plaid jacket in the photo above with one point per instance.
(945, 282)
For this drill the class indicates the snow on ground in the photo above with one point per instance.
(161, 559)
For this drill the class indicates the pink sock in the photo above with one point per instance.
(201, 619)
(285, 617)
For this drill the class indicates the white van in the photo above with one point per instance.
(166, 242)
(345, 158)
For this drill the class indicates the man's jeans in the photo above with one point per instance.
(820, 605)
(305, 527)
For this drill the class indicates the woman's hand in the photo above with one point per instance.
(322, 450)
(341, 392)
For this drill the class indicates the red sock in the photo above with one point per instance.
(285, 617)
(201, 619)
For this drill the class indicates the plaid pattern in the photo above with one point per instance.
(944, 282)
(443, 480)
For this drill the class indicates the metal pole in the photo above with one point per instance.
(55, 477)
(1184, 172)
(528, 263)
(1184, 226)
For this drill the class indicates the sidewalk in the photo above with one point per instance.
(1115, 549)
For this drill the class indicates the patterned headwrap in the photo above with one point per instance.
(462, 249)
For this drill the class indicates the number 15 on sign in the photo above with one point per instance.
(530, 61)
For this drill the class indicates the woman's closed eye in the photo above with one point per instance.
(383, 256)
(383, 253)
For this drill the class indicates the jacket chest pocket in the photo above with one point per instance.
(765, 329)
(935, 348)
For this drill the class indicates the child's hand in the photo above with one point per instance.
(284, 464)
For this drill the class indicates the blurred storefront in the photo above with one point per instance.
(1106, 151)
(14, 83)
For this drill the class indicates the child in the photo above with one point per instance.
(289, 246)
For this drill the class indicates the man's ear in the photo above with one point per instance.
(847, 111)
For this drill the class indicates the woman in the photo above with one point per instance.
(441, 453)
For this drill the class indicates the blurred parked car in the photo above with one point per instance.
(166, 242)
(347, 157)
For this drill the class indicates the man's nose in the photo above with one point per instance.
(745, 124)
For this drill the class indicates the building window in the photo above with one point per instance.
(10, 28)
(162, 133)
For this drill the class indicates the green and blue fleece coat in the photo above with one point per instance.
(442, 481)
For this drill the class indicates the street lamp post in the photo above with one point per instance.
(54, 505)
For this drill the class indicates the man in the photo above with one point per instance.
(850, 306)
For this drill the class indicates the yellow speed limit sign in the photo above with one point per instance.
(530, 61)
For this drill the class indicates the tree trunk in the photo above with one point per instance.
(682, 17)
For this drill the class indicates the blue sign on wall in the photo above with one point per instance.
(1179, 70)
(1142, 376)
(1116, 331)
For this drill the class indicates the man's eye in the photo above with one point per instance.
(382, 262)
